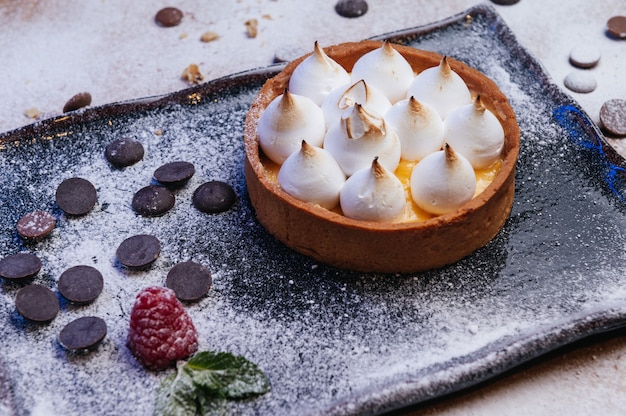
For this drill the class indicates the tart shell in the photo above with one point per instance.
(366, 246)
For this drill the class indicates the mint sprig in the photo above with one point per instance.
(202, 385)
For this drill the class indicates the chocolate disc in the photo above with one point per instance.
(616, 26)
(613, 117)
(139, 251)
(174, 174)
(37, 303)
(213, 197)
(83, 333)
(80, 100)
(505, 2)
(189, 280)
(351, 8)
(153, 201)
(76, 196)
(19, 266)
(585, 56)
(80, 284)
(35, 225)
(580, 81)
(124, 152)
(168, 17)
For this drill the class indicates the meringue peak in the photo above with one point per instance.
(377, 169)
(360, 121)
(444, 66)
(479, 106)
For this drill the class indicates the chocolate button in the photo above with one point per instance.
(19, 266)
(139, 251)
(124, 152)
(153, 201)
(80, 284)
(76, 196)
(35, 225)
(584, 56)
(83, 333)
(174, 174)
(168, 17)
(213, 197)
(80, 100)
(505, 2)
(617, 26)
(613, 117)
(580, 81)
(351, 8)
(37, 303)
(189, 280)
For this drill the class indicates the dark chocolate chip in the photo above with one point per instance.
(124, 152)
(80, 284)
(613, 117)
(83, 333)
(585, 56)
(189, 280)
(168, 17)
(505, 2)
(37, 303)
(35, 225)
(139, 251)
(580, 81)
(80, 100)
(351, 8)
(19, 266)
(174, 174)
(616, 26)
(153, 201)
(213, 197)
(76, 196)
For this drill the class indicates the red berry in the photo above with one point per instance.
(161, 332)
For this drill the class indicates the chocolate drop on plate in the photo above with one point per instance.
(138, 251)
(213, 197)
(168, 17)
(351, 8)
(189, 280)
(37, 303)
(505, 2)
(174, 174)
(80, 284)
(124, 152)
(19, 266)
(585, 56)
(153, 201)
(83, 333)
(35, 225)
(76, 196)
(580, 81)
(80, 100)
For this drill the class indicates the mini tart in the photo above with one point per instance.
(366, 246)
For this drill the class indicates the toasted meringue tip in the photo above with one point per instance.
(377, 169)
(479, 105)
(450, 153)
(414, 105)
(445, 66)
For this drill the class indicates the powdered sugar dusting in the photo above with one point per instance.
(324, 337)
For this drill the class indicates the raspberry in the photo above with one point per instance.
(161, 332)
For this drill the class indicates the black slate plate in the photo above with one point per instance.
(330, 341)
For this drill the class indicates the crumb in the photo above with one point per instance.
(183, 36)
(267, 16)
(209, 36)
(158, 132)
(32, 113)
(192, 75)
(252, 27)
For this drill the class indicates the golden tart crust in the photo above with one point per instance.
(366, 246)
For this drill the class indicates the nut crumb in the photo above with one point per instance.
(192, 74)
(252, 27)
(158, 132)
(209, 36)
(32, 113)
(267, 17)
(183, 36)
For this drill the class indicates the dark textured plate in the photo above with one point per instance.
(330, 341)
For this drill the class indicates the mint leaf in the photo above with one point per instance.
(204, 383)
